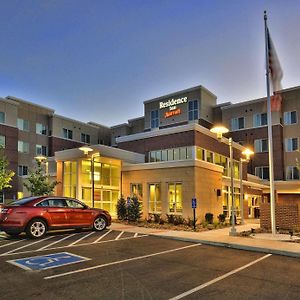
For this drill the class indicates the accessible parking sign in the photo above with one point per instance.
(45, 262)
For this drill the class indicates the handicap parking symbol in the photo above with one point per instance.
(45, 262)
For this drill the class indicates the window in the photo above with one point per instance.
(74, 204)
(23, 147)
(292, 173)
(260, 120)
(70, 178)
(85, 138)
(23, 124)
(193, 110)
(200, 153)
(2, 141)
(41, 150)
(291, 144)
(22, 170)
(136, 189)
(67, 134)
(41, 129)
(237, 123)
(261, 145)
(2, 117)
(209, 156)
(262, 172)
(175, 197)
(154, 198)
(222, 161)
(290, 117)
(154, 119)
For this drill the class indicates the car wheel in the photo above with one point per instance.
(36, 228)
(100, 223)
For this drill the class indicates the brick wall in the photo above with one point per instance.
(287, 216)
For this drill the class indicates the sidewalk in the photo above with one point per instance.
(266, 243)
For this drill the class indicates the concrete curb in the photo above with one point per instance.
(233, 246)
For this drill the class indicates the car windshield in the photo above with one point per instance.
(22, 201)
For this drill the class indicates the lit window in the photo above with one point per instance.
(290, 117)
(291, 144)
(260, 120)
(23, 124)
(175, 197)
(154, 198)
(193, 110)
(136, 189)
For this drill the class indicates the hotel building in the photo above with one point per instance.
(169, 155)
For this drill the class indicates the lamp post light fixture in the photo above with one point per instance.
(247, 152)
(220, 130)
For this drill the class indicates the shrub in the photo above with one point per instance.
(157, 218)
(209, 218)
(221, 218)
(121, 209)
(134, 209)
(178, 220)
(170, 219)
(190, 221)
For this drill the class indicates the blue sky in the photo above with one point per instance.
(99, 60)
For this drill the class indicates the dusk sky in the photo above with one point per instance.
(99, 60)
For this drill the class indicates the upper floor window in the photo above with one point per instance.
(193, 110)
(2, 141)
(41, 150)
(290, 117)
(41, 129)
(291, 144)
(22, 170)
(261, 145)
(23, 124)
(23, 147)
(262, 172)
(260, 120)
(237, 123)
(154, 119)
(67, 134)
(2, 117)
(292, 173)
(85, 138)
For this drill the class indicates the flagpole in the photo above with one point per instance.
(270, 136)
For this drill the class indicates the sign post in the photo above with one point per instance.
(194, 206)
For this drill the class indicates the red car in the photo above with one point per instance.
(37, 215)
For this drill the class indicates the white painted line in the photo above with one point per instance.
(11, 243)
(51, 244)
(204, 285)
(135, 235)
(102, 236)
(121, 261)
(63, 247)
(85, 236)
(27, 245)
(119, 235)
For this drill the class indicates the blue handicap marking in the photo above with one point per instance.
(47, 261)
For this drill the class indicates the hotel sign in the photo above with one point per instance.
(172, 105)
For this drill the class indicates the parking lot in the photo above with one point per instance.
(122, 265)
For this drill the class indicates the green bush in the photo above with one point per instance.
(178, 220)
(134, 209)
(221, 218)
(121, 209)
(170, 219)
(190, 221)
(209, 217)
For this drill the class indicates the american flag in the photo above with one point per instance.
(275, 73)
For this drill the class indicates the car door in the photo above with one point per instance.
(80, 214)
(57, 212)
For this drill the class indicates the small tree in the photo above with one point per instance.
(121, 209)
(38, 182)
(134, 209)
(5, 174)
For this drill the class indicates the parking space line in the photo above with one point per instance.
(102, 236)
(27, 245)
(56, 242)
(120, 262)
(204, 285)
(11, 243)
(135, 235)
(119, 235)
(85, 236)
